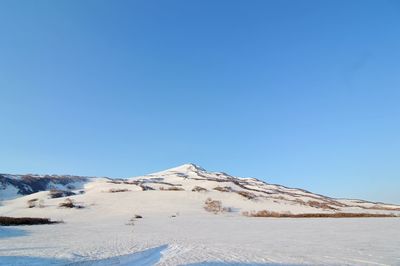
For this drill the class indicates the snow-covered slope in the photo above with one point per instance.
(103, 226)
(246, 194)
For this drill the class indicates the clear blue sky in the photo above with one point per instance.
(300, 93)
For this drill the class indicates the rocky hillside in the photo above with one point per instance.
(13, 186)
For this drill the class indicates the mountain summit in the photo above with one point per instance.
(185, 168)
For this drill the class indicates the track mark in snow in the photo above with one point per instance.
(147, 257)
(369, 262)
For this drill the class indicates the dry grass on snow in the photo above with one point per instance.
(172, 188)
(215, 206)
(56, 193)
(9, 221)
(265, 213)
(69, 203)
(199, 189)
(116, 190)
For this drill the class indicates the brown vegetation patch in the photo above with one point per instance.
(199, 189)
(265, 213)
(116, 190)
(32, 203)
(56, 193)
(215, 206)
(247, 195)
(146, 188)
(223, 189)
(172, 189)
(8, 221)
(115, 182)
(68, 203)
(320, 205)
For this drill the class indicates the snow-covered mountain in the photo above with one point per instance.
(245, 194)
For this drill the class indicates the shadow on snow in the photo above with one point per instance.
(6, 232)
(26, 260)
(211, 263)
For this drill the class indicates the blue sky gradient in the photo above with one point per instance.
(300, 93)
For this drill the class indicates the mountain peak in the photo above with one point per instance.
(188, 167)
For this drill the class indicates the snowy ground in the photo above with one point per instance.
(194, 239)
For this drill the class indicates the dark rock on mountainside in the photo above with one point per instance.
(28, 184)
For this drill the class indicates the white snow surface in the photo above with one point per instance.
(176, 230)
